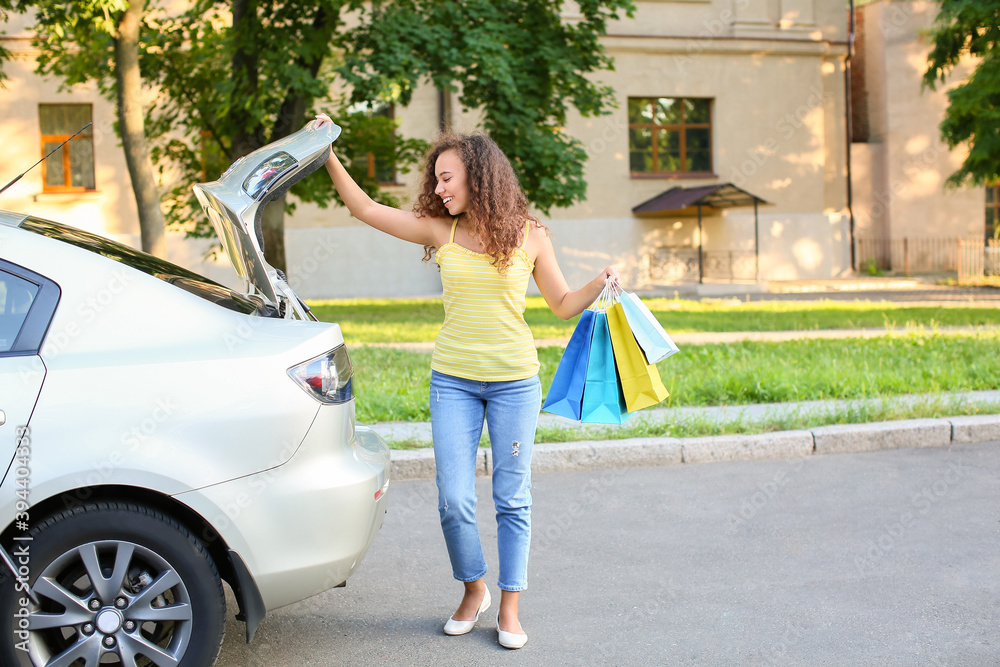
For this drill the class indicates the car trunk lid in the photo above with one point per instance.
(235, 204)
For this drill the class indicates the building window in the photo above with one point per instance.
(72, 166)
(381, 138)
(993, 211)
(669, 135)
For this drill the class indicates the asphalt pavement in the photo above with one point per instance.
(877, 558)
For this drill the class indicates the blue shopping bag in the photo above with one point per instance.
(654, 341)
(603, 400)
(566, 393)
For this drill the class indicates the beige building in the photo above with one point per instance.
(898, 161)
(710, 92)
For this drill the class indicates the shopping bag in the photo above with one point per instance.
(654, 341)
(641, 383)
(603, 401)
(566, 393)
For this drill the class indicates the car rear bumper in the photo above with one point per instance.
(303, 527)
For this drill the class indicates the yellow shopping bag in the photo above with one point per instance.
(640, 379)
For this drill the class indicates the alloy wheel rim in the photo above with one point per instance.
(109, 598)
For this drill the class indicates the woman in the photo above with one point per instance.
(472, 212)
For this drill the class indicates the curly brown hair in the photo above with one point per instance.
(498, 207)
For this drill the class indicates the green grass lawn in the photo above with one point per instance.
(416, 320)
(393, 384)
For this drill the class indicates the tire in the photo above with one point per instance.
(159, 599)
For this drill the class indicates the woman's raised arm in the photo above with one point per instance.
(396, 222)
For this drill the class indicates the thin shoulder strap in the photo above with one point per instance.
(527, 231)
(454, 224)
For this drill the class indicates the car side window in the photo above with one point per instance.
(16, 297)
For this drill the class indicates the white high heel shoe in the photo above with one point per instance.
(510, 639)
(453, 627)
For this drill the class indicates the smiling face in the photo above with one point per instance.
(452, 184)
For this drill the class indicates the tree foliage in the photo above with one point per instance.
(234, 75)
(970, 27)
(519, 61)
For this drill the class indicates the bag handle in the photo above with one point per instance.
(608, 297)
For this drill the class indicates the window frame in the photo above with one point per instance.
(370, 157)
(391, 115)
(681, 128)
(87, 135)
(43, 307)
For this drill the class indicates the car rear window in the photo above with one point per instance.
(16, 295)
(189, 281)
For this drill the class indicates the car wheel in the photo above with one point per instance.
(115, 583)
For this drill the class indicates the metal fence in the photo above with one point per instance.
(908, 255)
(970, 258)
(978, 258)
(673, 264)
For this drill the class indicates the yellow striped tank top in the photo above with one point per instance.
(484, 336)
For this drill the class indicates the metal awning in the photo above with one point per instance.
(691, 201)
(678, 200)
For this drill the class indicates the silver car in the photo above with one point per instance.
(167, 433)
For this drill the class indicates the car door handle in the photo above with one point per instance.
(3, 417)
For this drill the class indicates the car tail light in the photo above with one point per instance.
(327, 378)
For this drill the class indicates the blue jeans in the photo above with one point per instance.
(458, 407)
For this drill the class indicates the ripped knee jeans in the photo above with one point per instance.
(510, 409)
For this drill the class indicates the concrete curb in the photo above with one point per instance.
(783, 444)
(639, 452)
(975, 428)
(842, 438)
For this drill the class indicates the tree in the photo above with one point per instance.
(87, 40)
(131, 127)
(973, 117)
(235, 75)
